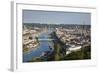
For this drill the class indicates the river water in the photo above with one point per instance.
(43, 47)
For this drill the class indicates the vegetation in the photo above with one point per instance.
(37, 59)
(85, 53)
(25, 49)
(57, 52)
(30, 38)
(37, 39)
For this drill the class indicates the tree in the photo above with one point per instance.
(30, 37)
(37, 39)
(57, 52)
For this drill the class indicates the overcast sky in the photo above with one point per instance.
(51, 17)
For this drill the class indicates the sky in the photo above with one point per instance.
(54, 17)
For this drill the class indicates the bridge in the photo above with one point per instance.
(46, 39)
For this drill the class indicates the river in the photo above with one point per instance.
(43, 47)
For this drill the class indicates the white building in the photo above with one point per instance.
(73, 48)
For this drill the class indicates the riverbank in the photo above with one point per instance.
(44, 46)
(27, 50)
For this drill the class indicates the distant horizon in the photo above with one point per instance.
(56, 17)
(56, 24)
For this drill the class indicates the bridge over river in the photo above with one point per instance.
(46, 44)
(46, 39)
